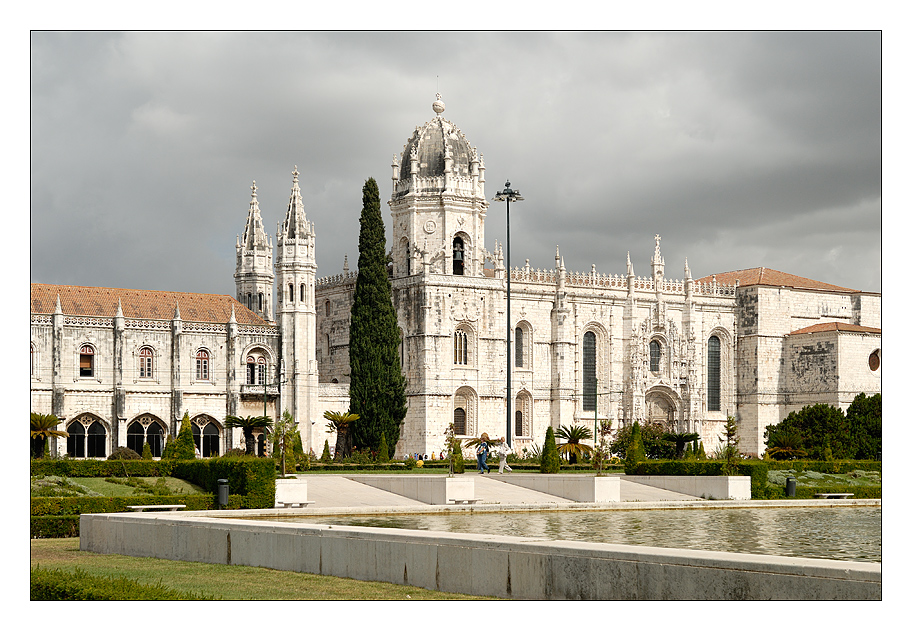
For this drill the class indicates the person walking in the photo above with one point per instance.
(504, 450)
(482, 454)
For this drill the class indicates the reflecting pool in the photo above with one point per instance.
(844, 533)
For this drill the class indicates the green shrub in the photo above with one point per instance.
(124, 453)
(383, 450)
(550, 459)
(248, 476)
(79, 585)
(863, 417)
(182, 447)
(147, 451)
(326, 457)
(90, 468)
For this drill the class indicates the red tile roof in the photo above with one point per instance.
(140, 303)
(835, 326)
(772, 278)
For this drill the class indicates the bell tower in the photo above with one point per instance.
(438, 204)
(296, 270)
(253, 276)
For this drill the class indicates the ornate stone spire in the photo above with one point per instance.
(295, 225)
(254, 232)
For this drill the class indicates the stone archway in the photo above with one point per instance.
(661, 410)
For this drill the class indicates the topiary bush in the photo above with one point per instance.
(182, 447)
(124, 453)
(550, 458)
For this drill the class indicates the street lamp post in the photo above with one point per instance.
(508, 195)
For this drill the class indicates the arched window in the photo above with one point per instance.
(155, 436)
(303, 299)
(76, 440)
(328, 307)
(207, 439)
(136, 436)
(290, 292)
(655, 355)
(145, 362)
(460, 348)
(86, 361)
(590, 381)
(32, 360)
(459, 421)
(202, 365)
(458, 257)
(96, 440)
(518, 341)
(249, 300)
(256, 370)
(260, 301)
(522, 417)
(408, 259)
(713, 374)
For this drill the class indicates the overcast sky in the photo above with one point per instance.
(741, 149)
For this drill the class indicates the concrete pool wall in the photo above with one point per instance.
(484, 565)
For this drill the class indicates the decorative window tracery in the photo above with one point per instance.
(145, 362)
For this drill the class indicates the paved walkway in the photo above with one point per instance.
(344, 491)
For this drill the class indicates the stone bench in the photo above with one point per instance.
(303, 504)
(464, 501)
(145, 507)
(834, 496)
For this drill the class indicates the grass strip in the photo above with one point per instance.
(226, 582)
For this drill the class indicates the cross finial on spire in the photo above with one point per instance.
(253, 189)
(295, 174)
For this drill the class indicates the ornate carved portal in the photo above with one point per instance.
(660, 410)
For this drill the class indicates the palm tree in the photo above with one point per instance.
(573, 448)
(340, 423)
(248, 424)
(785, 446)
(43, 426)
(680, 440)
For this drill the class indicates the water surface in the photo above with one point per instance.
(843, 533)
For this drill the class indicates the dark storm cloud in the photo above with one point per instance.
(741, 149)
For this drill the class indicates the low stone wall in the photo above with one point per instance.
(506, 567)
(579, 488)
(430, 489)
(711, 487)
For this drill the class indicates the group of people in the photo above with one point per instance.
(500, 448)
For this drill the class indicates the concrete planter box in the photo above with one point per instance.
(430, 489)
(291, 492)
(579, 488)
(733, 487)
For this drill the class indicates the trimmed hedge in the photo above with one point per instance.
(45, 506)
(79, 585)
(59, 516)
(73, 468)
(251, 478)
(54, 526)
(807, 492)
(827, 466)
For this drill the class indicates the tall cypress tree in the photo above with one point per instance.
(377, 388)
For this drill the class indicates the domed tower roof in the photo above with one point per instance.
(433, 143)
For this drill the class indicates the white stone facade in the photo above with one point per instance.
(585, 346)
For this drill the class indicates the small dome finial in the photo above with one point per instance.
(438, 105)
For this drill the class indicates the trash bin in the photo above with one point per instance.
(223, 493)
(790, 485)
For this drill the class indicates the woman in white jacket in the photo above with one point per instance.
(503, 449)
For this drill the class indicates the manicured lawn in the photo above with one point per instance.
(111, 489)
(228, 582)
